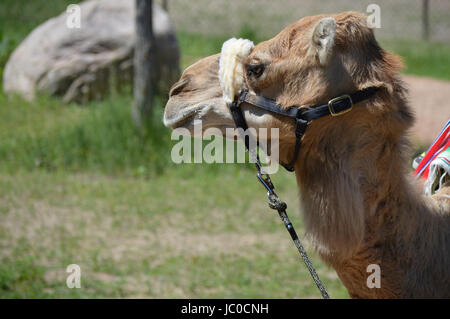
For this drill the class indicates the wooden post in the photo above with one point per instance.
(165, 5)
(144, 62)
(425, 20)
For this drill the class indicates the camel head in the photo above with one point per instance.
(308, 63)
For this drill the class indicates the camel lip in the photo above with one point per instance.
(182, 117)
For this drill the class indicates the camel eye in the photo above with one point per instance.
(255, 70)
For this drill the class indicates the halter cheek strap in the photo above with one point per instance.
(302, 115)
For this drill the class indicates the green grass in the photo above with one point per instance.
(82, 185)
(171, 236)
(423, 58)
(46, 135)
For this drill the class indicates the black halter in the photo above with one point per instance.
(303, 115)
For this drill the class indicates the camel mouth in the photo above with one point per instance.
(181, 119)
(192, 118)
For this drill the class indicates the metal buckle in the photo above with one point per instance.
(336, 99)
(242, 96)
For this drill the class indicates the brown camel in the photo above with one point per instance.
(361, 205)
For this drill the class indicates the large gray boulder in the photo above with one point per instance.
(81, 64)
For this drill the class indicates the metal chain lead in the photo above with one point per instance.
(276, 204)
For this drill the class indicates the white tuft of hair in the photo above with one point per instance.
(231, 70)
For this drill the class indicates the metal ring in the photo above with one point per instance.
(304, 107)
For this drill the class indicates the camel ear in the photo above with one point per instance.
(323, 39)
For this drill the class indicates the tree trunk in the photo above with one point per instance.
(425, 20)
(144, 65)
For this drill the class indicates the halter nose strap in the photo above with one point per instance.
(239, 120)
(302, 115)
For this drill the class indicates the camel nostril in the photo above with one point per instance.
(178, 87)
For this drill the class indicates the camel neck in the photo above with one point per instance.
(366, 212)
(344, 200)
